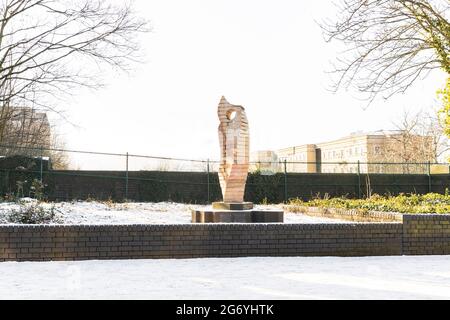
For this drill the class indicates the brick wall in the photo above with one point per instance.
(191, 187)
(417, 235)
(34, 243)
(426, 234)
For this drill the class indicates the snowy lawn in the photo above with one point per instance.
(133, 213)
(419, 277)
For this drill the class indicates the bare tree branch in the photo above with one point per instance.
(49, 48)
(54, 46)
(392, 44)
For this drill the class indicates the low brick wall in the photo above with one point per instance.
(417, 235)
(20, 243)
(426, 234)
(347, 214)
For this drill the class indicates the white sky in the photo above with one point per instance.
(266, 55)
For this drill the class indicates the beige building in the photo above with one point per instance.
(374, 152)
(342, 155)
(300, 158)
(23, 128)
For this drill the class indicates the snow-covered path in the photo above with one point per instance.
(420, 277)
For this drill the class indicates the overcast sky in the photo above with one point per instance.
(266, 55)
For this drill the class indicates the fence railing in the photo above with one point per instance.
(129, 169)
(138, 162)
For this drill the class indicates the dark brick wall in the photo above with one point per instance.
(191, 187)
(39, 243)
(417, 235)
(426, 234)
(148, 186)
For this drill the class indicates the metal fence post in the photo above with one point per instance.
(126, 179)
(207, 178)
(42, 166)
(359, 179)
(285, 182)
(429, 177)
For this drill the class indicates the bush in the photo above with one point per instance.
(411, 203)
(33, 213)
(37, 189)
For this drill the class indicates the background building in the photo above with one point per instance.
(304, 158)
(22, 128)
(374, 152)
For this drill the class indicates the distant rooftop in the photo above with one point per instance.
(375, 133)
(358, 133)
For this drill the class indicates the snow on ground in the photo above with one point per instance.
(408, 277)
(93, 212)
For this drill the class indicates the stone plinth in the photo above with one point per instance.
(237, 216)
(232, 205)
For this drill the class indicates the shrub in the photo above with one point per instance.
(37, 189)
(411, 203)
(33, 213)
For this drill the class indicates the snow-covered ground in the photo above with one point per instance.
(133, 213)
(419, 277)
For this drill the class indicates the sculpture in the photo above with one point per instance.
(234, 146)
(233, 171)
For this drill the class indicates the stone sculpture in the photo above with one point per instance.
(233, 171)
(234, 146)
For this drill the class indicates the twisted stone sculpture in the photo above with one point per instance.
(234, 164)
(234, 145)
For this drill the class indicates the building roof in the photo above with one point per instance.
(376, 133)
(27, 112)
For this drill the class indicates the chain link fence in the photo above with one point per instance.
(133, 176)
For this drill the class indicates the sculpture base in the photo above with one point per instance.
(237, 216)
(232, 205)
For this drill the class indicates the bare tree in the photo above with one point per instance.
(48, 47)
(28, 132)
(432, 126)
(421, 137)
(416, 139)
(58, 157)
(391, 43)
(23, 131)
